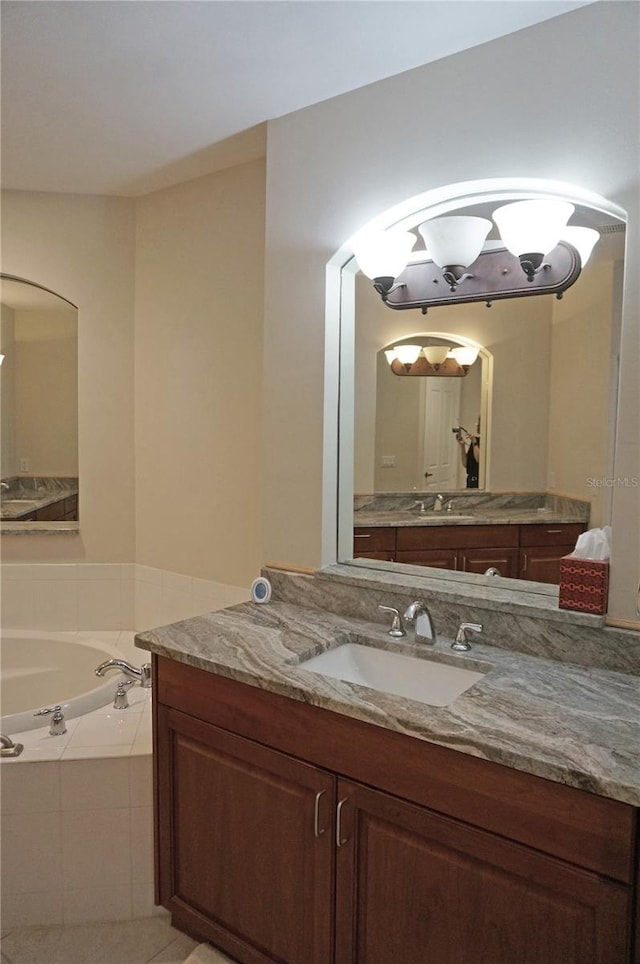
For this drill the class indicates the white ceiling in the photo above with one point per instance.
(128, 96)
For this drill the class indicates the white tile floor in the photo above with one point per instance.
(151, 940)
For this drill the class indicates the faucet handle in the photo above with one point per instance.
(397, 629)
(461, 644)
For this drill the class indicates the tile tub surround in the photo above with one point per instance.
(569, 724)
(77, 823)
(105, 596)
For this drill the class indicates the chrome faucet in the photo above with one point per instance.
(438, 502)
(397, 629)
(5, 485)
(57, 726)
(461, 644)
(8, 747)
(418, 613)
(141, 675)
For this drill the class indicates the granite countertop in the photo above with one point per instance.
(573, 725)
(14, 508)
(472, 517)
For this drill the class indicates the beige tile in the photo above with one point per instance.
(95, 848)
(23, 910)
(31, 851)
(29, 787)
(55, 604)
(94, 784)
(176, 952)
(99, 604)
(105, 729)
(141, 847)
(18, 604)
(141, 781)
(143, 902)
(119, 942)
(97, 904)
(96, 752)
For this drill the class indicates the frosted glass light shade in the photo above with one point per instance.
(455, 240)
(385, 253)
(465, 355)
(407, 354)
(583, 239)
(532, 227)
(390, 355)
(436, 354)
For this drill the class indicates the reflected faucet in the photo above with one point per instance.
(141, 675)
(418, 613)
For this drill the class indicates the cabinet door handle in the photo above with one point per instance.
(553, 532)
(524, 560)
(340, 842)
(362, 535)
(317, 829)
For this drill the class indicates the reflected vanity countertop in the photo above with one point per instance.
(462, 517)
(14, 505)
(575, 725)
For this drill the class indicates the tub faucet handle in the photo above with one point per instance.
(57, 726)
(120, 700)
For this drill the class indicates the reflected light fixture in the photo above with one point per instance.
(431, 360)
(539, 253)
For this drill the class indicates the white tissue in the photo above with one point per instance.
(594, 544)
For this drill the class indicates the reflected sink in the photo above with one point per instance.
(424, 680)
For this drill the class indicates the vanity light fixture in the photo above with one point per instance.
(539, 253)
(431, 360)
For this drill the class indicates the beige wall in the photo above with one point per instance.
(82, 247)
(333, 167)
(196, 252)
(198, 376)
(580, 383)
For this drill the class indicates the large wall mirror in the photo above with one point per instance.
(39, 394)
(544, 385)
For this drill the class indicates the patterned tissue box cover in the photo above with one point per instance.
(584, 585)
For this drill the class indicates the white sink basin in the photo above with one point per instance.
(436, 684)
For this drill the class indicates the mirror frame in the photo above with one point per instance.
(340, 344)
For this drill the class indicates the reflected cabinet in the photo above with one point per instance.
(530, 552)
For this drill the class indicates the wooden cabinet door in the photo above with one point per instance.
(245, 844)
(479, 560)
(414, 887)
(542, 563)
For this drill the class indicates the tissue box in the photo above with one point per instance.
(584, 585)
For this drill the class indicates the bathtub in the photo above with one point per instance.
(47, 669)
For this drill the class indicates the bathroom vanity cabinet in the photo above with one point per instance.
(528, 551)
(288, 833)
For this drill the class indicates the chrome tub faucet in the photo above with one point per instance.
(140, 674)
